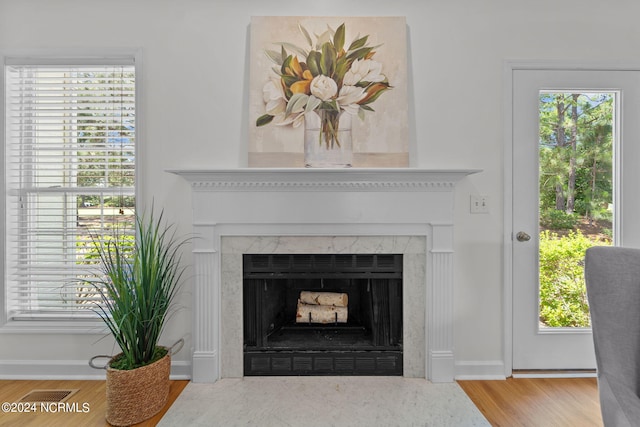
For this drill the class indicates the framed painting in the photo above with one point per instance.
(328, 92)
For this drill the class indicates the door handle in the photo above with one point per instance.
(522, 236)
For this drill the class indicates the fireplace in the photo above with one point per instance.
(322, 314)
(407, 212)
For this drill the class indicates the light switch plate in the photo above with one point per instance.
(479, 204)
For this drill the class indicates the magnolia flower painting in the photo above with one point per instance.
(328, 92)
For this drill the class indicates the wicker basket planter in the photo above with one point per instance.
(138, 394)
(135, 395)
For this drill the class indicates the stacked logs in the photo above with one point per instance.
(322, 307)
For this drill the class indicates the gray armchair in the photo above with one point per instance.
(612, 275)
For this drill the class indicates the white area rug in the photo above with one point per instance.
(323, 402)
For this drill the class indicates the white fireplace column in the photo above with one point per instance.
(319, 204)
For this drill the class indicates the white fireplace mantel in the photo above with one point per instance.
(308, 210)
(324, 179)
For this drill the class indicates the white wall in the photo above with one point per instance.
(194, 111)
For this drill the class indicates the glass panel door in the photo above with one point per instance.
(576, 144)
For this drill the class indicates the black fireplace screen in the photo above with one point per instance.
(322, 314)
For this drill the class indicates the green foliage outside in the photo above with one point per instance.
(576, 187)
(90, 250)
(554, 219)
(576, 145)
(563, 298)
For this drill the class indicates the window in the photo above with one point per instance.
(70, 138)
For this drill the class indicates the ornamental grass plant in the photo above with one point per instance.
(139, 283)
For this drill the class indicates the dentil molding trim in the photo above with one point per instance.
(254, 179)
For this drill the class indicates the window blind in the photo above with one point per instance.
(70, 180)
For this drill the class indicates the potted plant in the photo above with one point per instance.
(139, 283)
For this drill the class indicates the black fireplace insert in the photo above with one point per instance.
(322, 314)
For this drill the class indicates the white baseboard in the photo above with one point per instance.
(480, 370)
(70, 370)
(555, 374)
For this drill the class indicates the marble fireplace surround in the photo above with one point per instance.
(408, 211)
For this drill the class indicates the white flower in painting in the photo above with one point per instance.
(273, 96)
(324, 87)
(294, 119)
(276, 105)
(363, 70)
(349, 97)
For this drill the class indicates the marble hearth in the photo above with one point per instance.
(267, 211)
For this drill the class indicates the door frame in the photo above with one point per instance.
(509, 67)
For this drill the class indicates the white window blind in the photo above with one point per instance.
(70, 178)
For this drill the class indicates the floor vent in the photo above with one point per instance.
(48, 396)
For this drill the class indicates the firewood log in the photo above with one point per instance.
(324, 298)
(308, 313)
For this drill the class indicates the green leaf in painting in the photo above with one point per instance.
(264, 120)
(357, 44)
(338, 38)
(328, 59)
(330, 105)
(297, 103)
(342, 66)
(289, 80)
(374, 92)
(360, 53)
(313, 62)
(312, 103)
(285, 64)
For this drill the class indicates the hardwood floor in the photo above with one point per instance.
(89, 392)
(521, 402)
(533, 402)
